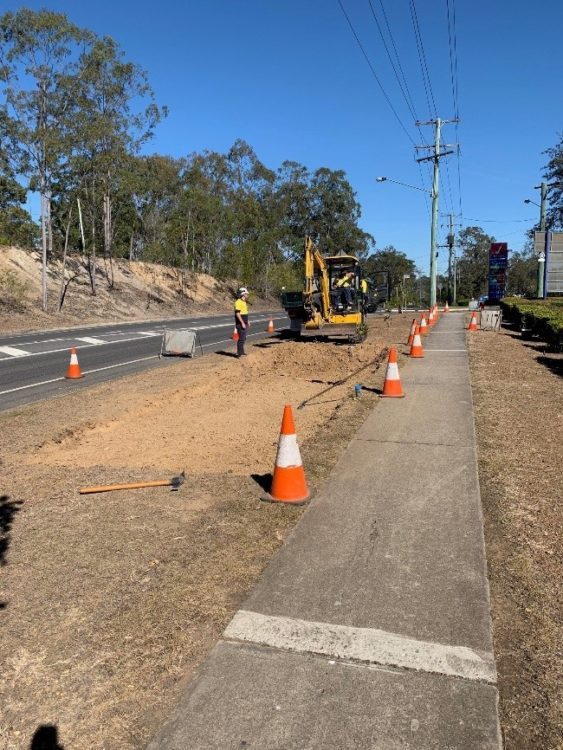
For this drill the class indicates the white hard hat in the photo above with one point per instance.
(241, 291)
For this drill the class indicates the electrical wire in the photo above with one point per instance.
(387, 99)
(452, 41)
(500, 221)
(422, 60)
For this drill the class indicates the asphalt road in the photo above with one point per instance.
(33, 365)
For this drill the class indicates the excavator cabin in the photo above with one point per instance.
(332, 303)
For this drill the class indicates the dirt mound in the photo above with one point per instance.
(125, 290)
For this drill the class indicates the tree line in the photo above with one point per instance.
(74, 121)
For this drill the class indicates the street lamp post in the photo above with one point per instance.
(433, 231)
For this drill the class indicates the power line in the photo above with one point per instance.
(499, 221)
(422, 59)
(388, 100)
(396, 52)
(452, 40)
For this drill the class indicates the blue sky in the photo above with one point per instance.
(288, 77)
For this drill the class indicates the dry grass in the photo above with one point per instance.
(518, 398)
(111, 601)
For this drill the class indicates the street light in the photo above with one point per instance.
(433, 230)
(527, 200)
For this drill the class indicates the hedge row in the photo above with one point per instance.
(542, 317)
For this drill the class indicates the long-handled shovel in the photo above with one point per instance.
(175, 483)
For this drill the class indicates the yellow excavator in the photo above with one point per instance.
(332, 303)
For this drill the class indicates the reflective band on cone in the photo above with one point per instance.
(416, 346)
(235, 336)
(288, 483)
(423, 327)
(73, 371)
(411, 334)
(392, 387)
(270, 328)
(473, 322)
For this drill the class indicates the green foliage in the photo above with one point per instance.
(554, 175)
(473, 264)
(393, 262)
(543, 317)
(522, 273)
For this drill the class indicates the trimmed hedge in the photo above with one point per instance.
(542, 317)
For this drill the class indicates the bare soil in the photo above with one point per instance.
(109, 602)
(518, 398)
(124, 291)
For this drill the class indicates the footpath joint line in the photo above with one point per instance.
(367, 645)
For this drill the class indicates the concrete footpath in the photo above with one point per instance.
(371, 627)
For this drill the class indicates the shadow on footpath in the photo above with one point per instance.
(264, 481)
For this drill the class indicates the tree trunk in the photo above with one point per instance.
(43, 250)
(64, 286)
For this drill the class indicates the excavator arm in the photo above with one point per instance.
(314, 260)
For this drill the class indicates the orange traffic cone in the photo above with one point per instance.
(288, 484)
(235, 336)
(416, 345)
(446, 307)
(423, 327)
(411, 334)
(73, 371)
(392, 387)
(431, 317)
(473, 323)
(270, 328)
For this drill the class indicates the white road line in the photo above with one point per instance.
(110, 367)
(367, 645)
(109, 343)
(13, 352)
(91, 340)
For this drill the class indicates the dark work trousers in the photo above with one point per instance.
(241, 339)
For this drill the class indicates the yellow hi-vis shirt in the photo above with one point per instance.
(343, 282)
(242, 308)
(364, 286)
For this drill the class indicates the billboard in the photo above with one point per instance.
(548, 246)
(498, 260)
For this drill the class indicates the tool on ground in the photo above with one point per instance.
(270, 328)
(175, 483)
(235, 336)
(392, 387)
(288, 483)
(73, 371)
(473, 322)
(416, 345)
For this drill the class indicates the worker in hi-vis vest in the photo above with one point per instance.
(241, 319)
(344, 283)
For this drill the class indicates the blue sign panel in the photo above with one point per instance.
(498, 260)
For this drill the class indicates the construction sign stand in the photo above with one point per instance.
(180, 343)
(288, 484)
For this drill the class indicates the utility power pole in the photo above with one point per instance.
(450, 244)
(435, 157)
(541, 258)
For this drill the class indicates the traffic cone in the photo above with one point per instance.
(473, 322)
(423, 326)
(446, 307)
(431, 318)
(411, 334)
(270, 328)
(73, 371)
(416, 346)
(235, 336)
(288, 484)
(392, 387)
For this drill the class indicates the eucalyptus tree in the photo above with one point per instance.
(114, 115)
(37, 54)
